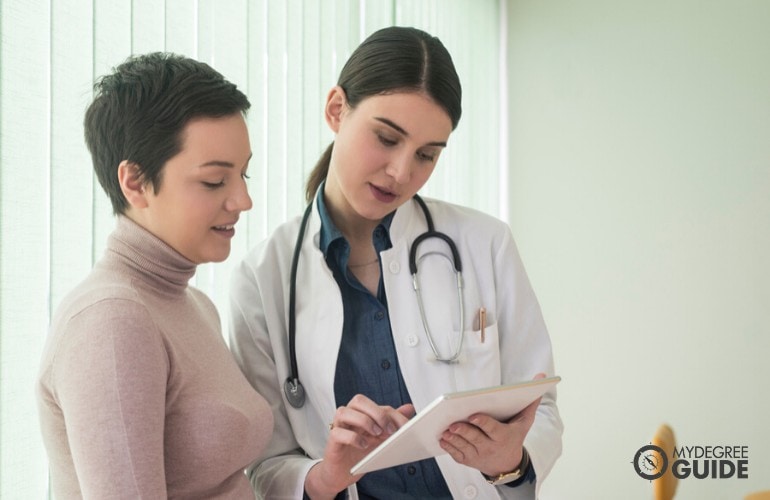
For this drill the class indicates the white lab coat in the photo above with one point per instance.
(516, 345)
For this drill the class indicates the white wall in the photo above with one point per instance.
(640, 199)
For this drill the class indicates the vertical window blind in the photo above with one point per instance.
(284, 54)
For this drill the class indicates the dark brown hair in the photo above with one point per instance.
(391, 60)
(140, 110)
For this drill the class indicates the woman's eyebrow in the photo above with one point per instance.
(222, 163)
(217, 163)
(392, 125)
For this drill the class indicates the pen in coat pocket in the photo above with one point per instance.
(482, 322)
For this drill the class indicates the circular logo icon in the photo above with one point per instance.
(650, 462)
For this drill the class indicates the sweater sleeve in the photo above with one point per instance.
(281, 471)
(109, 376)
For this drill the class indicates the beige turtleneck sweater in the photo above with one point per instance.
(138, 394)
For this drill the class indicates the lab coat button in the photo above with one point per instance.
(412, 340)
(394, 267)
(470, 491)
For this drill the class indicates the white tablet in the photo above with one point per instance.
(419, 438)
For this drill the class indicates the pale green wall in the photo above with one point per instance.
(640, 199)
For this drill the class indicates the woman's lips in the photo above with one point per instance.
(227, 230)
(382, 195)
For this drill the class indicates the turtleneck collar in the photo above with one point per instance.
(149, 255)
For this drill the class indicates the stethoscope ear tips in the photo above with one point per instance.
(294, 391)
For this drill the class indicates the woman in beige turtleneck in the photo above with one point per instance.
(138, 394)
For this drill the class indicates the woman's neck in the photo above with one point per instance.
(356, 229)
(363, 260)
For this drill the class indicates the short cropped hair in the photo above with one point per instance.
(140, 110)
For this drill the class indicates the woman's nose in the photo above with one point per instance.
(239, 200)
(400, 169)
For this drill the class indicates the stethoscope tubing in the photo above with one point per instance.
(292, 387)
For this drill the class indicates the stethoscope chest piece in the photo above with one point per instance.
(294, 391)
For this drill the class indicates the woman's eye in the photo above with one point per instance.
(244, 175)
(426, 156)
(214, 185)
(386, 141)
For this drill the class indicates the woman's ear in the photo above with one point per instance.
(336, 102)
(132, 184)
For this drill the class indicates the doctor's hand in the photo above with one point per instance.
(356, 430)
(486, 444)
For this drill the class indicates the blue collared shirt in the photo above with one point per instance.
(368, 364)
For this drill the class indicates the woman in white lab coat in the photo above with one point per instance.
(364, 359)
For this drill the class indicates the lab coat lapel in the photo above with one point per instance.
(415, 357)
(319, 324)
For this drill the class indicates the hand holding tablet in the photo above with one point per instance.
(419, 438)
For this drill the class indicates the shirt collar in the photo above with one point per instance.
(329, 231)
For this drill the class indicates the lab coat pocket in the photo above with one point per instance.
(479, 363)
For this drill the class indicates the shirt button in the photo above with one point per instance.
(470, 491)
(412, 340)
(394, 267)
(385, 364)
(411, 470)
(379, 315)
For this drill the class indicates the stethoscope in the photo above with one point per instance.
(293, 389)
